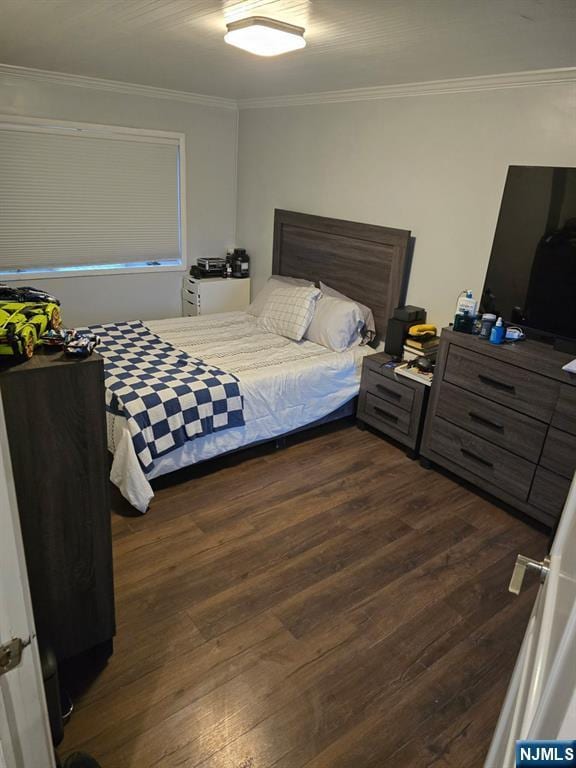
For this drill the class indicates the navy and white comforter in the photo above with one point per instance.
(167, 396)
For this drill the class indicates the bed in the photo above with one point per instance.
(285, 385)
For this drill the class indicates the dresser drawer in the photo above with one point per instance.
(549, 492)
(388, 390)
(189, 305)
(559, 453)
(500, 425)
(189, 296)
(486, 460)
(387, 415)
(509, 385)
(565, 414)
(190, 286)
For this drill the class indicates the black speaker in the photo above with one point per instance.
(410, 314)
(395, 336)
(403, 318)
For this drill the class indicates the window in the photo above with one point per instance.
(77, 199)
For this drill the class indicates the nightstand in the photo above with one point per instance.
(392, 404)
(210, 295)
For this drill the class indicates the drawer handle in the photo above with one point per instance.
(479, 459)
(385, 415)
(485, 421)
(387, 391)
(497, 384)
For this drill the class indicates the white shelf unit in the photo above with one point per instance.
(210, 295)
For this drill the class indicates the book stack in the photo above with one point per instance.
(414, 348)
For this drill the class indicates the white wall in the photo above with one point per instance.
(433, 164)
(211, 134)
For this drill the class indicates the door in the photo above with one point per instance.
(24, 729)
(541, 699)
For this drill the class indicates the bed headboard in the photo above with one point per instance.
(367, 263)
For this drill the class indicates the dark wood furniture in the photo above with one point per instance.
(368, 263)
(54, 409)
(504, 418)
(394, 405)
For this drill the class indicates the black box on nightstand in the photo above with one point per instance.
(398, 326)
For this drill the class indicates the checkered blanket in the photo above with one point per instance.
(166, 396)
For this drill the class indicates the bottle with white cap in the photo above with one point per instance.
(466, 302)
(498, 332)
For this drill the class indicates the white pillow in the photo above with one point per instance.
(289, 310)
(337, 324)
(369, 331)
(274, 282)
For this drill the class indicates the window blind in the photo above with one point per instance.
(72, 198)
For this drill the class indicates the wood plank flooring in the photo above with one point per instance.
(330, 605)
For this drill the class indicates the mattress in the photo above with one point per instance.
(285, 384)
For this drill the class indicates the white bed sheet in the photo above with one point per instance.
(285, 385)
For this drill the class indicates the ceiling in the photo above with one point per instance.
(178, 44)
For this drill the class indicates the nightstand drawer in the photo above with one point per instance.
(390, 406)
(510, 430)
(509, 385)
(559, 453)
(386, 414)
(490, 462)
(389, 390)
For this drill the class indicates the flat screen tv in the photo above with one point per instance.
(531, 277)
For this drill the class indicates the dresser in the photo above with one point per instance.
(392, 405)
(504, 419)
(210, 295)
(55, 419)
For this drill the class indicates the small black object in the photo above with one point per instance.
(410, 314)
(396, 334)
(425, 364)
(240, 263)
(211, 266)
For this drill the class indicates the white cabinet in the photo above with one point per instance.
(210, 295)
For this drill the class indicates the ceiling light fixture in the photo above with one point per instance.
(265, 37)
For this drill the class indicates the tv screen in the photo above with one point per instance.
(531, 277)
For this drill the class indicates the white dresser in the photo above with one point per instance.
(211, 295)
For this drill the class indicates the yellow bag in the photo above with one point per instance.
(417, 331)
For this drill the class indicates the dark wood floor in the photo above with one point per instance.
(330, 605)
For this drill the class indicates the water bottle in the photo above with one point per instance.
(498, 332)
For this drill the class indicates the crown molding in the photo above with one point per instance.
(428, 88)
(114, 86)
